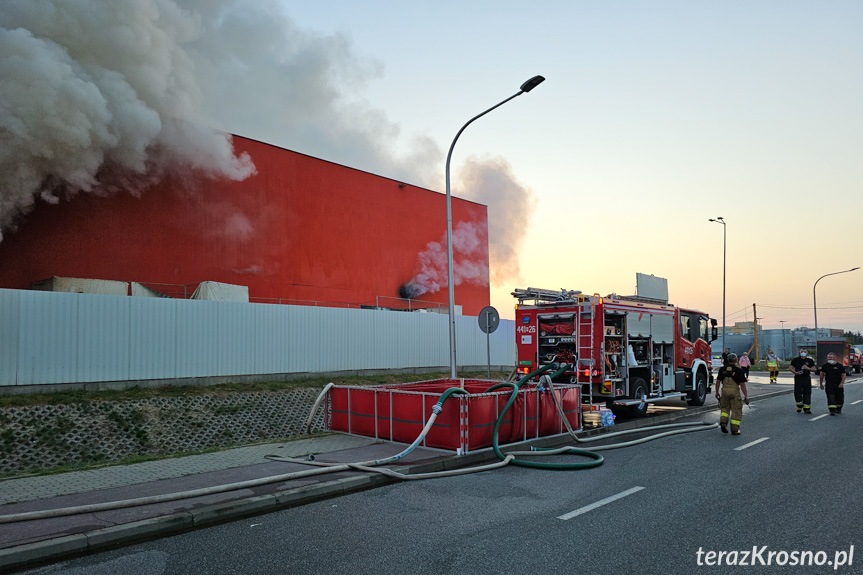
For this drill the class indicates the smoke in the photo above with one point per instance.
(100, 96)
(271, 80)
(510, 204)
(107, 95)
(470, 254)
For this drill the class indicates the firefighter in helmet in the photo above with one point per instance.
(733, 381)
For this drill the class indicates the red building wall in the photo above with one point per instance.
(301, 228)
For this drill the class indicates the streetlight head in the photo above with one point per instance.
(532, 83)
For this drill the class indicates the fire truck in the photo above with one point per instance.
(625, 351)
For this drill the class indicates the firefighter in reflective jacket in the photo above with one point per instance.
(733, 380)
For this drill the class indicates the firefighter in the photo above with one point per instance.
(772, 366)
(834, 373)
(733, 381)
(802, 368)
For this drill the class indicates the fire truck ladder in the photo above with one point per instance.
(585, 343)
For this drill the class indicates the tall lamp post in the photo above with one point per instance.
(526, 87)
(719, 220)
(815, 302)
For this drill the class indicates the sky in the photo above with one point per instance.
(654, 117)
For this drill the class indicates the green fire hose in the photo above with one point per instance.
(597, 459)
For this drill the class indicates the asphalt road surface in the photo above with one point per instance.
(787, 489)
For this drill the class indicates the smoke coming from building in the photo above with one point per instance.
(100, 96)
(511, 205)
(470, 254)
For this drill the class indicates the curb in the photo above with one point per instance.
(68, 546)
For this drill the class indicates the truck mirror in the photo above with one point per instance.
(713, 322)
(714, 333)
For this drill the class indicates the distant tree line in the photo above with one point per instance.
(853, 337)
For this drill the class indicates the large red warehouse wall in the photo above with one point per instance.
(301, 228)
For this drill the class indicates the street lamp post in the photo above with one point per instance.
(719, 220)
(526, 87)
(815, 302)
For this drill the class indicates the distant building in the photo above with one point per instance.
(786, 343)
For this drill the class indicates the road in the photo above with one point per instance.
(788, 485)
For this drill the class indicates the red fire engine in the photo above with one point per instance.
(626, 351)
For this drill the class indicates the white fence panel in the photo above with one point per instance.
(303, 344)
(10, 336)
(103, 337)
(50, 337)
(197, 338)
(48, 352)
(236, 338)
(272, 349)
(153, 338)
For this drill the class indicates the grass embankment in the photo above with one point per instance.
(138, 392)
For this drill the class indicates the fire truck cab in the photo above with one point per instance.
(625, 351)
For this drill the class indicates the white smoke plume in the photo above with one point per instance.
(269, 79)
(511, 205)
(95, 96)
(108, 95)
(470, 254)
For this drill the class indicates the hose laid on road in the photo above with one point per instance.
(326, 468)
(372, 466)
(597, 458)
(688, 428)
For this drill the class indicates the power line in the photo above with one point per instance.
(808, 307)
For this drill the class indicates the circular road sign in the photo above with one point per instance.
(488, 319)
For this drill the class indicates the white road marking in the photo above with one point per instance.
(819, 417)
(856, 402)
(599, 503)
(751, 443)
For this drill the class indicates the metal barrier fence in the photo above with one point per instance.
(60, 338)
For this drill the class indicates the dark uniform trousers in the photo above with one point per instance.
(835, 397)
(803, 392)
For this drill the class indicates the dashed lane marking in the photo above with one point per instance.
(856, 402)
(819, 417)
(751, 443)
(600, 503)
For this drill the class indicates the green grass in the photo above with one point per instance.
(136, 393)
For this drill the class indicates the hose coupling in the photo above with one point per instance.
(437, 408)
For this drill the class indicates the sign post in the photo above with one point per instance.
(488, 320)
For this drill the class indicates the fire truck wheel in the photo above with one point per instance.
(699, 392)
(639, 391)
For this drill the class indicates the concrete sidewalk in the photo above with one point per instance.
(28, 543)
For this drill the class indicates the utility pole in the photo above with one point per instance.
(755, 328)
(784, 351)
